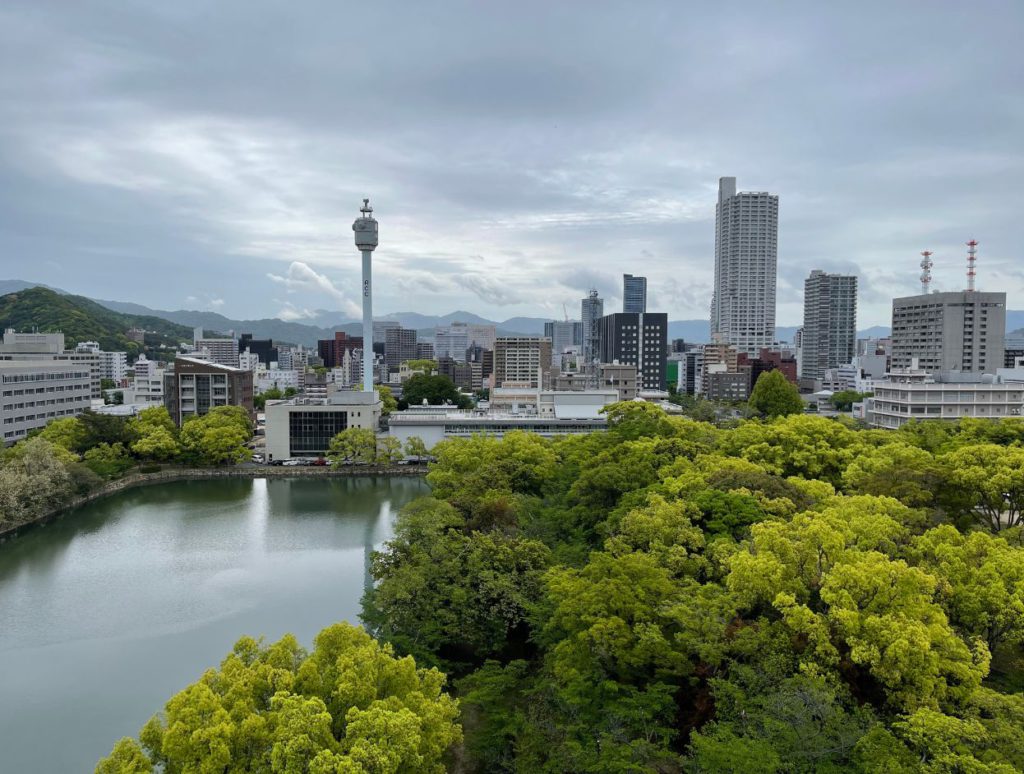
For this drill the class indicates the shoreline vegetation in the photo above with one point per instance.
(134, 480)
(789, 595)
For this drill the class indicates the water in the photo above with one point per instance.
(108, 612)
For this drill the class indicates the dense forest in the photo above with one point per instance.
(792, 595)
(81, 319)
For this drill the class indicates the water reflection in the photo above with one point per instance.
(113, 608)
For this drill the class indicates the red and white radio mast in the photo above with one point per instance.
(972, 253)
(926, 270)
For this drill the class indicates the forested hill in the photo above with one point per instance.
(80, 319)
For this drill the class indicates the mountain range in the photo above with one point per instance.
(323, 323)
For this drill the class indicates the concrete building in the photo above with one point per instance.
(722, 385)
(453, 340)
(591, 311)
(221, 351)
(195, 386)
(1013, 349)
(278, 379)
(399, 346)
(634, 294)
(305, 427)
(424, 350)
(50, 346)
(718, 358)
(639, 340)
(149, 382)
(619, 377)
(521, 361)
(585, 404)
(565, 335)
(112, 365)
(332, 351)
(691, 367)
(33, 392)
(829, 336)
(915, 394)
(264, 349)
(746, 256)
(461, 373)
(958, 331)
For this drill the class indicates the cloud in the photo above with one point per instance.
(491, 290)
(301, 277)
(291, 313)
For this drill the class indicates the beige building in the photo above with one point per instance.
(915, 394)
(304, 427)
(521, 361)
(958, 331)
(34, 392)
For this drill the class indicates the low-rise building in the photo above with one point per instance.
(916, 394)
(304, 427)
(196, 385)
(433, 427)
(34, 392)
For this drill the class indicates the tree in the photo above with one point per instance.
(389, 450)
(33, 480)
(156, 433)
(388, 402)
(435, 390)
(107, 460)
(349, 706)
(844, 399)
(260, 399)
(991, 480)
(218, 437)
(774, 396)
(67, 433)
(103, 428)
(414, 447)
(353, 445)
(426, 366)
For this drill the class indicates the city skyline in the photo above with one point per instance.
(226, 161)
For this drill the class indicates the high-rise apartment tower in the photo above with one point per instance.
(746, 257)
(829, 337)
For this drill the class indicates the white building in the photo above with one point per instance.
(34, 392)
(276, 378)
(49, 346)
(304, 427)
(249, 361)
(959, 331)
(565, 404)
(746, 256)
(915, 394)
(149, 382)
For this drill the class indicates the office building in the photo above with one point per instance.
(1013, 349)
(829, 337)
(521, 361)
(718, 358)
(399, 346)
(50, 346)
(746, 254)
(955, 331)
(424, 350)
(36, 391)
(564, 335)
(149, 381)
(639, 340)
(195, 386)
(634, 294)
(332, 351)
(304, 427)
(453, 340)
(619, 377)
(591, 312)
(460, 373)
(690, 368)
(264, 349)
(221, 351)
(915, 394)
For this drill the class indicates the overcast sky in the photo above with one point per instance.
(213, 155)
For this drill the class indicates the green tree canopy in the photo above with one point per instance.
(348, 706)
(774, 396)
(433, 389)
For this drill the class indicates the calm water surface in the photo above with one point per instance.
(108, 612)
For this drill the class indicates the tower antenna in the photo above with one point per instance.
(926, 270)
(972, 258)
(365, 229)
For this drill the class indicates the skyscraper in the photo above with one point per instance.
(634, 294)
(564, 336)
(399, 346)
(592, 311)
(957, 331)
(746, 256)
(521, 361)
(829, 337)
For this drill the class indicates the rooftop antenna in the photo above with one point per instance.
(565, 311)
(972, 258)
(926, 270)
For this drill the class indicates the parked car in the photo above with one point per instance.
(276, 462)
(293, 463)
(320, 462)
(257, 458)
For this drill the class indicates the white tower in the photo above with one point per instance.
(365, 228)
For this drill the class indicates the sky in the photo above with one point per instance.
(212, 156)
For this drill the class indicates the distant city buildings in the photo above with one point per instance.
(217, 350)
(954, 331)
(746, 255)
(399, 346)
(566, 336)
(634, 294)
(591, 311)
(639, 340)
(332, 351)
(829, 334)
(455, 339)
(264, 349)
(915, 394)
